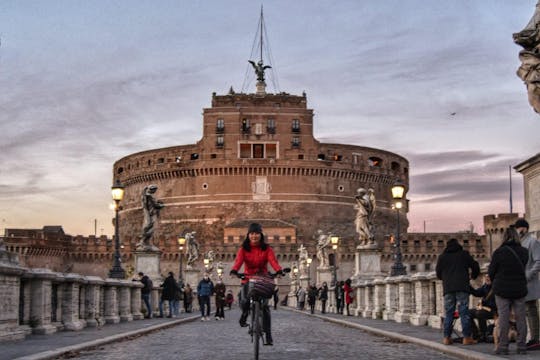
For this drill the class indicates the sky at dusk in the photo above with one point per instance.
(85, 83)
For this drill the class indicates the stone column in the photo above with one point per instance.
(405, 302)
(111, 301)
(379, 298)
(368, 300)
(10, 280)
(422, 298)
(435, 320)
(92, 301)
(392, 298)
(40, 308)
(361, 289)
(82, 300)
(70, 302)
(136, 302)
(124, 292)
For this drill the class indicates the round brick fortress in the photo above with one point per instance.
(258, 161)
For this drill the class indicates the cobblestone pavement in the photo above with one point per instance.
(296, 336)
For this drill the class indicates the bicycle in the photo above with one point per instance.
(260, 289)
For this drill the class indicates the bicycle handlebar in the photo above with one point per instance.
(272, 275)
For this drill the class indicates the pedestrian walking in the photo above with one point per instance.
(455, 267)
(301, 297)
(532, 273)
(507, 272)
(323, 296)
(312, 297)
(145, 293)
(170, 287)
(188, 298)
(220, 290)
(204, 291)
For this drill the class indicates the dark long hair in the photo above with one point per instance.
(247, 246)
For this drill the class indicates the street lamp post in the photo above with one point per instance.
(206, 264)
(334, 240)
(181, 243)
(398, 192)
(117, 194)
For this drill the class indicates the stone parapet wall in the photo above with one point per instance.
(40, 301)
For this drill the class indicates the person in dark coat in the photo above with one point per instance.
(146, 292)
(455, 267)
(323, 296)
(507, 272)
(312, 297)
(220, 290)
(485, 309)
(170, 287)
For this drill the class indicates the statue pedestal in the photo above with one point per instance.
(304, 281)
(192, 277)
(324, 275)
(149, 263)
(368, 262)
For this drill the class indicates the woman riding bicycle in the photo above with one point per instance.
(255, 255)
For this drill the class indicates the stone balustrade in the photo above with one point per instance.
(39, 301)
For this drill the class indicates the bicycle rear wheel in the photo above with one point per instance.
(257, 331)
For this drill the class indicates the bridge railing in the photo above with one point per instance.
(416, 299)
(39, 301)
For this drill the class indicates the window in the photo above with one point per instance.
(271, 126)
(427, 267)
(258, 151)
(395, 166)
(220, 125)
(194, 156)
(295, 142)
(120, 170)
(296, 125)
(300, 156)
(161, 160)
(413, 267)
(219, 141)
(271, 151)
(245, 151)
(245, 125)
(320, 157)
(375, 161)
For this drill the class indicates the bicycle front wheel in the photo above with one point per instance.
(257, 329)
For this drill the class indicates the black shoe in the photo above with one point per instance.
(269, 340)
(242, 321)
(501, 351)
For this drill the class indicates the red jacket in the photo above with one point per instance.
(255, 261)
(348, 293)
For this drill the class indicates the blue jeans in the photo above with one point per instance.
(176, 307)
(146, 300)
(161, 307)
(462, 300)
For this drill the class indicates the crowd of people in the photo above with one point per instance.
(508, 295)
(175, 291)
